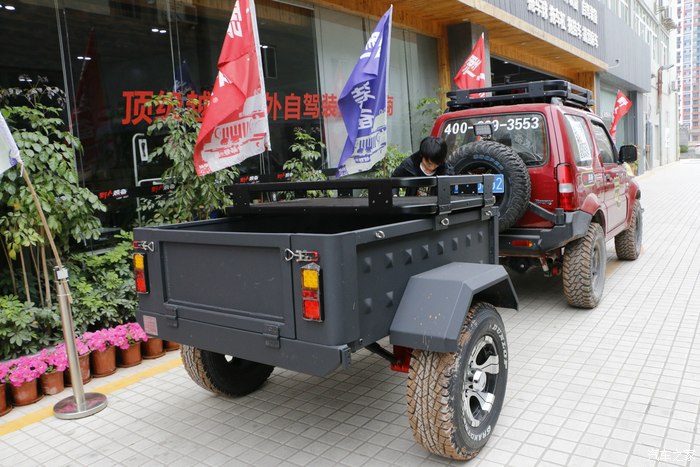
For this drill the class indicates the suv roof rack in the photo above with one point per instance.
(549, 91)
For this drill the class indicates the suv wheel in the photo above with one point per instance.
(490, 157)
(223, 374)
(454, 399)
(584, 268)
(628, 244)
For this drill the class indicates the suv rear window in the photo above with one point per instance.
(524, 132)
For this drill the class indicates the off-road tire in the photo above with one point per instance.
(628, 244)
(490, 157)
(584, 268)
(437, 387)
(222, 374)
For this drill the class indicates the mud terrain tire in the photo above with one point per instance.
(223, 374)
(584, 268)
(454, 399)
(490, 157)
(628, 244)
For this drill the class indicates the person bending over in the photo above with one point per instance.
(430, 160)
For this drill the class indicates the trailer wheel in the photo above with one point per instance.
(223, 374)
(490, 157)
(584, 268)
(628, 244)
(454, 399)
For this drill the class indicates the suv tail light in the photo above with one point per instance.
(140, 273)
(565, 177)
(311, 292)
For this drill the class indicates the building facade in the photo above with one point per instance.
(688, 70)
(110, 56)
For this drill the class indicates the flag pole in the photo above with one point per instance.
(80, 404)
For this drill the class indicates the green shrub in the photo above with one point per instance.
(102, 286)
(26, 328)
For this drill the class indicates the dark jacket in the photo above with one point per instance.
(410, 167)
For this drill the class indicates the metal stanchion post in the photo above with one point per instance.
(80, 404)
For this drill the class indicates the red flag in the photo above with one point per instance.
(622, 106)
(235, 123)
(471, 75)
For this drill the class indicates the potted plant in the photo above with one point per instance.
(170, 345)
(103, 355)
(5, 405)
(24, 373)
(83, 360)
(56, 362)
(128, 338)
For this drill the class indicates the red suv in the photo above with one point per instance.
(563, 188)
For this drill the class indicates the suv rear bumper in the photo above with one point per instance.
(541, 241)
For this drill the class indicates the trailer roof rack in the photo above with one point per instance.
(370, 196)
(522, 93)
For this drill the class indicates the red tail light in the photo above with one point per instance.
(140, 273)
(565, 177)
(311, 292)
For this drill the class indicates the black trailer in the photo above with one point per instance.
(302, 283)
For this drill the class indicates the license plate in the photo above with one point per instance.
(499, 184)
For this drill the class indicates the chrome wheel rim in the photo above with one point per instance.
(480, 381)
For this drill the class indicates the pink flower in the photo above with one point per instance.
(100, 340)
(26, 369)
(4, 370)
(127, 334)
(56, 359)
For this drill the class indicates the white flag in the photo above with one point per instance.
(9, 154)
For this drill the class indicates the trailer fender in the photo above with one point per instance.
(435, 302)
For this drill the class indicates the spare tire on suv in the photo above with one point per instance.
(490, 157)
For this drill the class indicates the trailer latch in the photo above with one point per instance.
(271, 332)
(301, 255)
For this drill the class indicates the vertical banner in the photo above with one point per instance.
(471, 75)
(9, 154)
(234, 125)
(363, 103)
(622, 106)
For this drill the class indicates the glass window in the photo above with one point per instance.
(580, 140)
(607, 151)
(525, 133)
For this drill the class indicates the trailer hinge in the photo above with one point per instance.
(171, 317)
(271, 332)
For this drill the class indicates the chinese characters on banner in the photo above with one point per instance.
(279, 106)
(622, 106)
(9, 154)
(234, 125)
(471, 75)
(363, 103)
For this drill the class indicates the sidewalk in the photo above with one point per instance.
(617, 385)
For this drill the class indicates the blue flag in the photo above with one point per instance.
(363, 103)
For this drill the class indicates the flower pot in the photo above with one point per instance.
(170, 345)
(5, 405)
(84, 361)
(52, 383)
(129, 357)
(26, 393)
(152, 348)
(103, 362)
